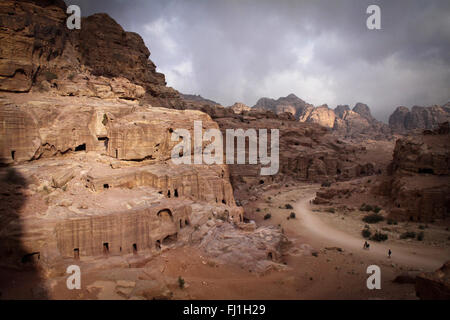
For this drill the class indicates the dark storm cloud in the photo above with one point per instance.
(320, 50)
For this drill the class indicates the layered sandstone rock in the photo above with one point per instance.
(239, 107)
(39, 51)
(434, 285)
(307, 152)
(291, 104)
(321, 115)
(96, 178)
(404, 120)
(257, 250)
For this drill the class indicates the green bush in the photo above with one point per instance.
(368, 207)
(408, 235)
(292, 215)
(267, 216)
(181, 282)
(330, 210)
(420, 236)
(366, 233)
(378, 236)
(373, 218)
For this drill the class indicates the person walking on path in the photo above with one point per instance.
(389, 253)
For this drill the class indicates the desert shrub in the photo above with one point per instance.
(423, 227)
(391, 222)
(288, 206)
(365, 207)
(105, 119)
(181, 282)
(376, 209)
(408, 235)
(326, 184)
(366, 233)
(49, 76)
(331, 210)
(292, 215)
(267, 216)
(71, 76)
(378, 236)
(373, 218)
(420, 236)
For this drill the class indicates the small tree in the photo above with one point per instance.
(378, 236)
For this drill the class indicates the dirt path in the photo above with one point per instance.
(424, 259)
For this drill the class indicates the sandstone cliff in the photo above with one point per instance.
(356, 123)
(419, 182)
(404, 120)
(39, 52)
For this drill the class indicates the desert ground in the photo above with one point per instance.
(325, 260)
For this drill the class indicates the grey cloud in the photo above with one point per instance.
(320, 50)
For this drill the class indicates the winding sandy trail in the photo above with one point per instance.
(417, 258)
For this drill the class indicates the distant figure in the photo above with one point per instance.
(366, 245)
(389, 253)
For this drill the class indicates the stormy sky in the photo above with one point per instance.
(322, 51)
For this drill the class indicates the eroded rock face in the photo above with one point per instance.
(434, 285)
(419, 185)
(404, 120)
(96, 178)
(308, 152)
(256, 251)
(321, 115)
(39, 51)
(46, 128)
(239, 108)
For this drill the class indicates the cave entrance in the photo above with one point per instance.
(13, 154)
(81, 147)
(170, 239)
(106, 186)
(105, 248)
(134, 248)
(270, 256)
(105, 141)
(31, 258)
(176, 193)
(165, 214)
(76, 254)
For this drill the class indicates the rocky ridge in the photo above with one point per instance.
(348, 123)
